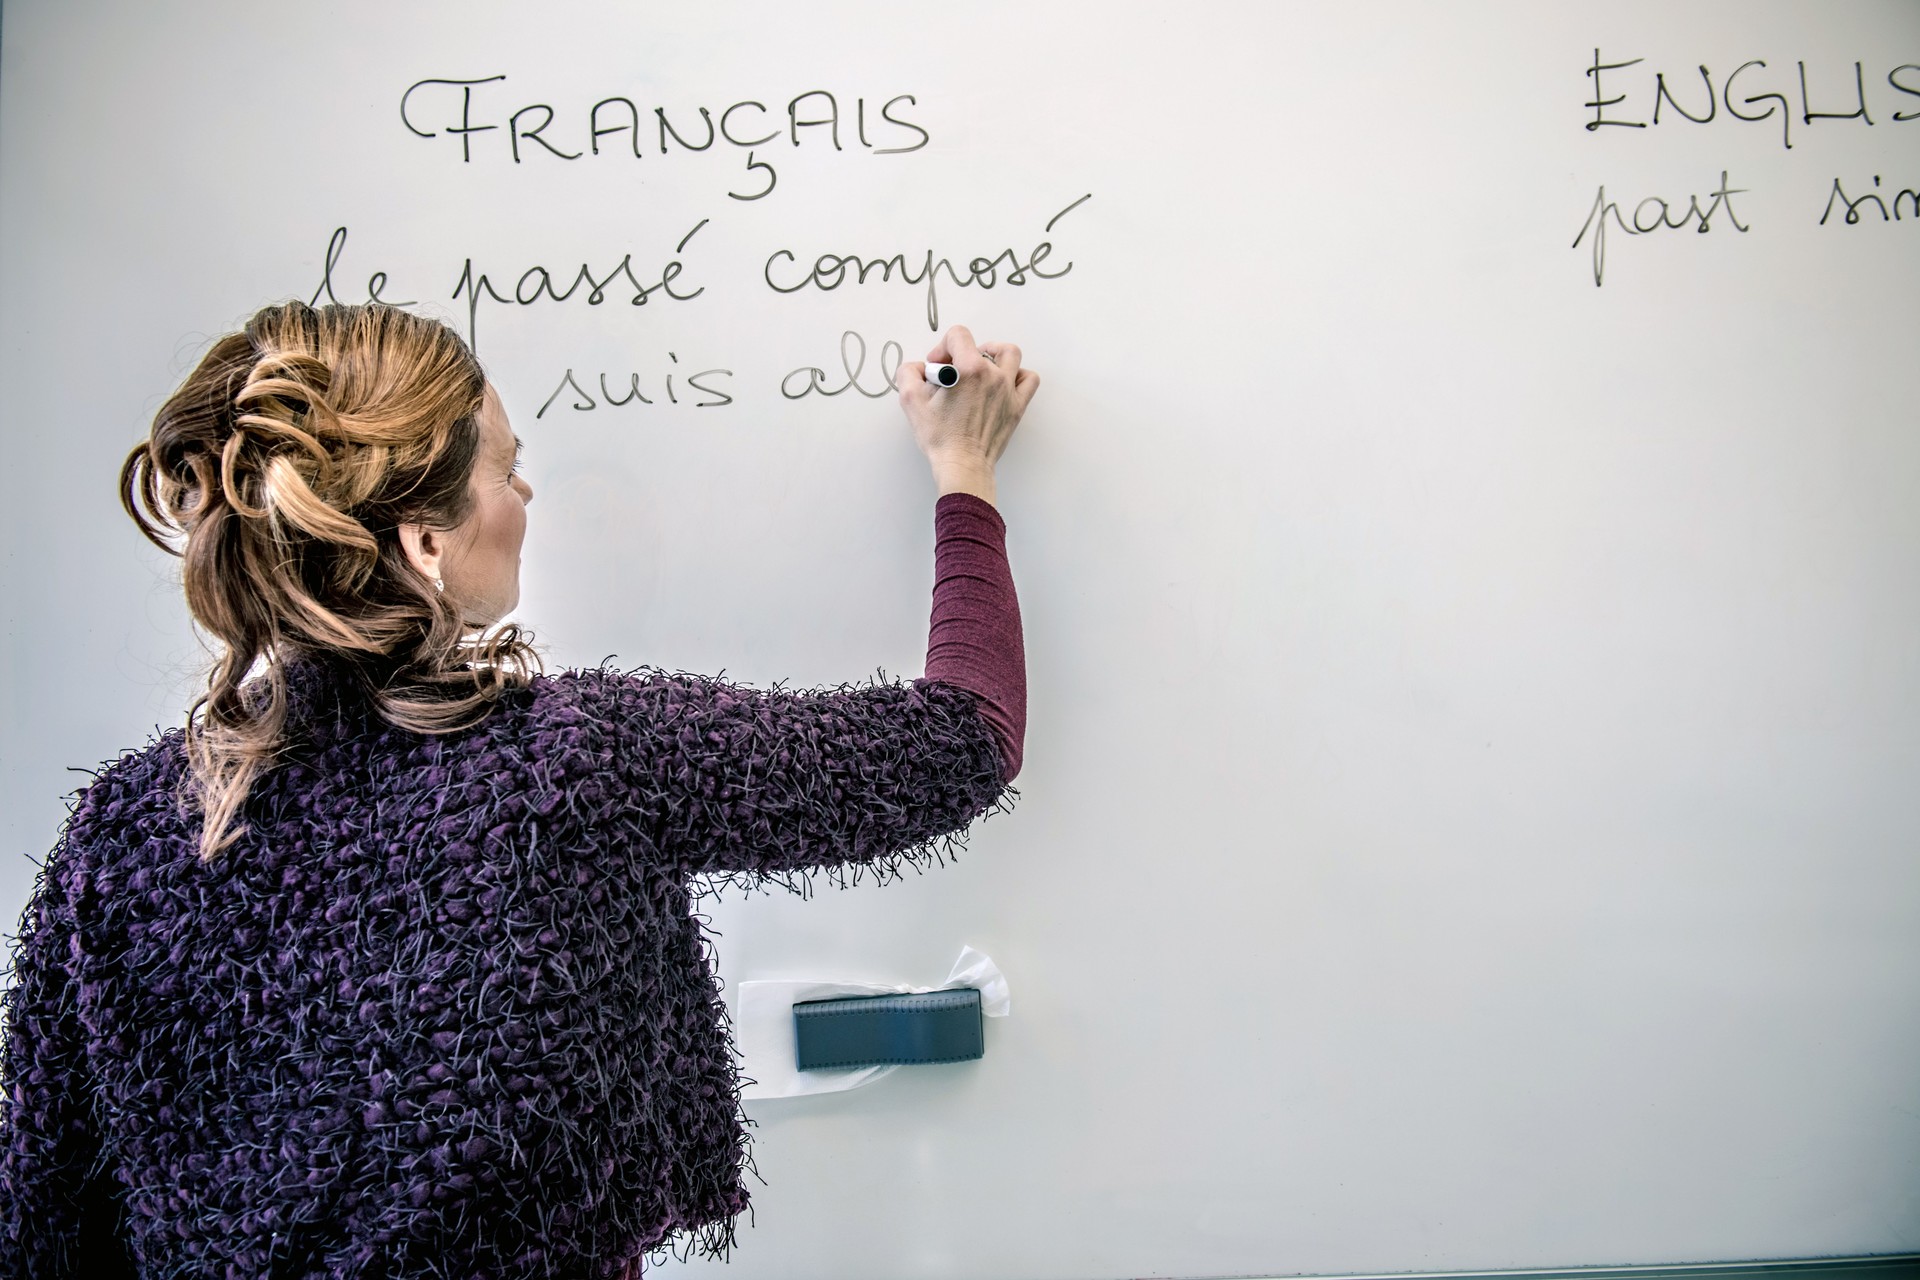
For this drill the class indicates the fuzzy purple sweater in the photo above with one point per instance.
(447, 1010)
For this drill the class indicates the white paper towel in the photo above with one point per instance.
(763, 1026)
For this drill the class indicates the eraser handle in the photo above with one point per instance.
(870, 1031)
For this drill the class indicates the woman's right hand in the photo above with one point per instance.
(963, 429)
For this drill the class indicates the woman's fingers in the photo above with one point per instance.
(963, 353)
(1003, 354)
(1025, 383)
(957, 347)
(977, 415)
(913, 384)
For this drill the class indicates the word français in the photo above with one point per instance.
(617, 126)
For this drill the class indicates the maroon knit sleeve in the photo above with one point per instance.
(974, 641)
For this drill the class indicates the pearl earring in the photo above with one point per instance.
(439, 585)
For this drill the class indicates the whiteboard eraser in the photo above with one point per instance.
(872, 1031)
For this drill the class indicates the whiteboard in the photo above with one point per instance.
(1467, 819)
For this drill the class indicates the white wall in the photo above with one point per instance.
(1467, 818)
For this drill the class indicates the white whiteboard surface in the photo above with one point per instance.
(1469, 814)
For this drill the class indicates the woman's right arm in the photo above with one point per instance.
(720, 778)
(975, 641)
(709, 777)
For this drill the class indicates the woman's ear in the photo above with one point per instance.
(423, 548)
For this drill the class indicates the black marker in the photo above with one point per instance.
(945, 375)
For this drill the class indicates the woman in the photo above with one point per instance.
(385, 964)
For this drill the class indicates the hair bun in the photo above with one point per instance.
(290, 458)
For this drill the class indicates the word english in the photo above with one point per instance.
(1707, 103)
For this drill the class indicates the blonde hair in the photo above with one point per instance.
(288, 460)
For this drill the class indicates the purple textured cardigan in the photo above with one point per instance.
(446, 1010)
